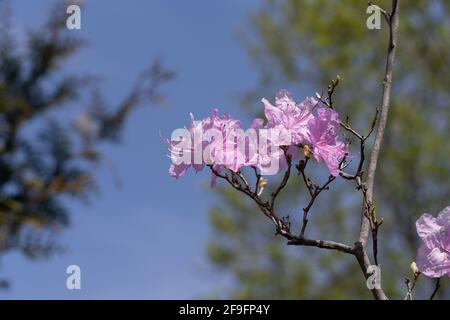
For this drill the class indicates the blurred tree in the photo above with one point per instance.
(306, 43)
(44, 158)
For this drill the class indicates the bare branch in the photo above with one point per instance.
(368, 219)
(347, 127)
(282, 225)
(324, 244)
(301, 171)
(436, 288)
(410, 285)
(331, 87)
(387, 86)
(286, 176)
(258, 178)
(316, 192)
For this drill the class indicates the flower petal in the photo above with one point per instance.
(272, 113)
(177, 171)
(433, 263)
(428, 230)
(443, 217)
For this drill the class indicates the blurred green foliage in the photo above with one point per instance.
(306, 43)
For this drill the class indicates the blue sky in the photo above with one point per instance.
(145, 237)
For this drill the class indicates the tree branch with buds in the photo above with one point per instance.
(313, 127)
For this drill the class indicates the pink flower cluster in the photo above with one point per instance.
(296, 125)
(319, 130)
(433, 257)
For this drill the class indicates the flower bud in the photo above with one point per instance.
(261, 185)
(307, 151)
(414, 268)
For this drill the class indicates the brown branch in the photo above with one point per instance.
(410, 285)
(313, 189)
(368, 220)
(301, 170)
(387, 86)
(436, 288)
(347, 127)
(362, 139)
(330, 91)
(282, 225)
(283, 183)
(316, 193)
(364, 263)
(258, 179)
(324, 244)
(331, 87)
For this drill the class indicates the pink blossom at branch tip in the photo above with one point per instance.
(290, 117)
(220, 141)
(323, 138)
(433, 257)
(212, 140)
(179, 147)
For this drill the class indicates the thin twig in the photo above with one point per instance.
(282, 225)
(324, 244)
(301, 169)
(258, 178)
(410, 285)
(331, 87)
(347, 127)
(436, 288)
(316, 193)
(283, 183)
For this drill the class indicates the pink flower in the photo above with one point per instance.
(182, 152)
(210, 141)
(322, 136)
(290, 117)
(267, 154)
(221, 144)
(433, 257)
